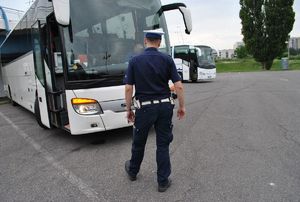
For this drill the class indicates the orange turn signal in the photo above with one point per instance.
(80, 101)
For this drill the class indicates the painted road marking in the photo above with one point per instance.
(71, 177)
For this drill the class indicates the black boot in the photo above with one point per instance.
(130, 176)
(163, 188)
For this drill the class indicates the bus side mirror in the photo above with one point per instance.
(62, 11)
(184, 11)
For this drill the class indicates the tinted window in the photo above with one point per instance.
(17, 44)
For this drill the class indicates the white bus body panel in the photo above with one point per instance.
(181, 67)
(206, 74)
(82, 124)
(20, 78)
(42, 104)
(185, 72)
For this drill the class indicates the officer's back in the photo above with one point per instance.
(152, 72)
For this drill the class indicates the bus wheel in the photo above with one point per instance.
(37, 114)
(13, 103)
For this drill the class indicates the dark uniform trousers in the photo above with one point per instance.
(159, 115)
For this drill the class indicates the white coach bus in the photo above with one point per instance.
(65, 60)
(194, 63)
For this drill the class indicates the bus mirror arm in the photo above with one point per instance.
(183, 10)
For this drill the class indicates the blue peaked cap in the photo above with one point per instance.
(154, 34)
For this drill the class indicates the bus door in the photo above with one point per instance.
(41, 110)
(54, 68)
(193, 65)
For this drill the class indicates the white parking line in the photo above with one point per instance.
(282, 79)
(72, 178)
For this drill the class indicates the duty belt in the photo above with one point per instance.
(144, 103)
(137, 104)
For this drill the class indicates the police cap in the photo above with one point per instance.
(154, 34)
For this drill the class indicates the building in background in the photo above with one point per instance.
(230, 53)
(214, 53)
(226, 54)
(294, 43)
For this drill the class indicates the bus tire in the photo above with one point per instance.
(10, 97)
(37, 114)
(13, 103)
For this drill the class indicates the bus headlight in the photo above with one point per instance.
(86, 106)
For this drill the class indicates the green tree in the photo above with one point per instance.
(266, 25)
(241, 52)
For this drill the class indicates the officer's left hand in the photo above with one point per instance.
(130, 116)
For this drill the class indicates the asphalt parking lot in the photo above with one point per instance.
(240, 141)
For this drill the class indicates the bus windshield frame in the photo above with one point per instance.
(102, 37)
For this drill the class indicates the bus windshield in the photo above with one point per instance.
(103, 35)
(204, 55)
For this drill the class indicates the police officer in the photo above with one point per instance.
(150, 73)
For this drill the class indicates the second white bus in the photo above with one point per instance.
(194, 63)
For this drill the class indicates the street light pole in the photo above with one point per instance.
(288, 49)
(285, 61)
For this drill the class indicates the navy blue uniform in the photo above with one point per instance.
(150, 72)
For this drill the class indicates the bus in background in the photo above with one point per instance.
(65, 60)
(194, 63)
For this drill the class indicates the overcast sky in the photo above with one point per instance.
(215, 23)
